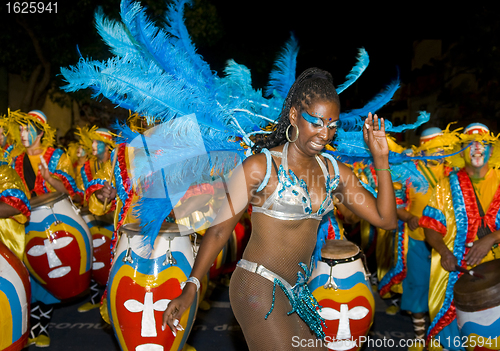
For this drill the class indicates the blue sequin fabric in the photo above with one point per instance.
(291, 199)
(302, 301)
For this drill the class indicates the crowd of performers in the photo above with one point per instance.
(453, 223)
(115, 209)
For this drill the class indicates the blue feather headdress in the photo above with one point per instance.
(206, 121)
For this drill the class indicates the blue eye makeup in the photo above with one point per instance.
(315, 121)
(334, 124)
(318, 122)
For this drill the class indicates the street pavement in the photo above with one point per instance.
(215, 329)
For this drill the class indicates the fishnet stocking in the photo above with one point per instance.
(279, 246)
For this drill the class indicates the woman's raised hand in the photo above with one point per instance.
(374, 135)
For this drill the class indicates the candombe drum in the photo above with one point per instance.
(477, 302)
(15, 295)
(341, 286)
(58, 246)
(141, 284)
(101, 228)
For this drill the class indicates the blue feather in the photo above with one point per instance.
(152, 92)
(282, 75)
(422, 118)
(114, 35)
(176, 26)
(362, 62)
(354, 118)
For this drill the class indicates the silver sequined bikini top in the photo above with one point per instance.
(291, 200)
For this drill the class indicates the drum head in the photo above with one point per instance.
(474, 294)
(166, 228)
(47, 199)
(339, 249)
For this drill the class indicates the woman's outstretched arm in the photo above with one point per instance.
(240, 189)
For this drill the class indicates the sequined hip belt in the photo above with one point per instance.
(263, 272)
(299, 296)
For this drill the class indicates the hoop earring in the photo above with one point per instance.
(286, 134)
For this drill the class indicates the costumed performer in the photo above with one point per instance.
(291, 199)
(391, 247)
(433, 141)
(15, 208)
(98, 143)
(459, 224)
(42, 169)
(77, 155)
(114, 186)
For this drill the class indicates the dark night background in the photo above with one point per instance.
(329, 34)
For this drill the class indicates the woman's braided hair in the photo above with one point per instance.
(311, 86)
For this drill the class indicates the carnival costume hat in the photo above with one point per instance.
(35, 118)
(88, 135)
(207, 121)
(429, 134)
(480, 133)
(433, 140)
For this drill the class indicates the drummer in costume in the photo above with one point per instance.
(94, 151)
(391, 247)
(389, 244)
(42, 169)
(15, 208)
(460, 224)
(78, 157)
(14, 199)
(416, 284)
(98, 143)
(114, 186)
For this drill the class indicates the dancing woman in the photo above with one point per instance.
(291, 184)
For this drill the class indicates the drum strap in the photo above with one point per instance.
(483, 229)
(29, 174)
